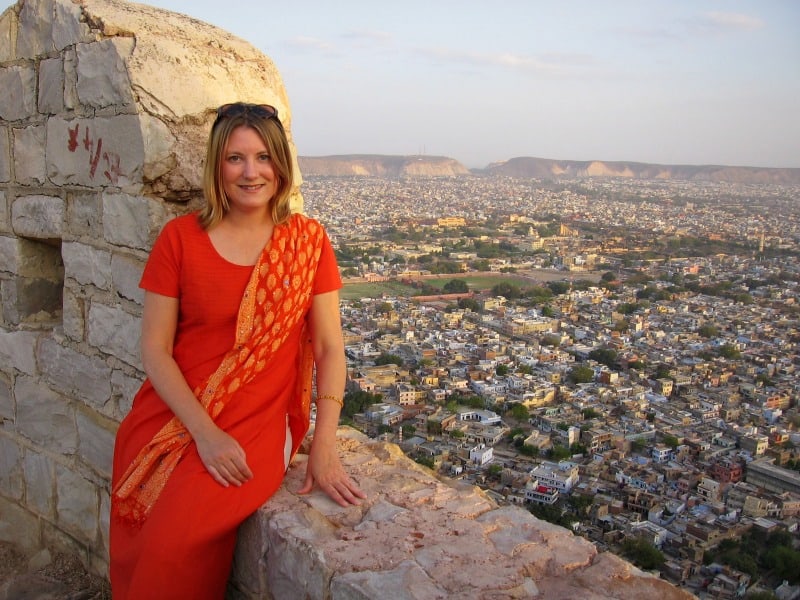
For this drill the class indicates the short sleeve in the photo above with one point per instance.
(327, 278)
(162, 270)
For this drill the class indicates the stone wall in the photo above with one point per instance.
(104, 111)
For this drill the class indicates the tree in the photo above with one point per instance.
(501, 370)
(605, 356)
(671, 441)
(590, 413)
(729, 351)
(519, 412)
(456, 286)
(642, 553)
(389, 359)
(469, 304)
(580, 374)
(708, 331)
(356, 402)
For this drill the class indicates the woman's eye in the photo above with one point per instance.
(264, 157)
(234, 158)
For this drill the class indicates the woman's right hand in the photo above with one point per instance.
(223, 457)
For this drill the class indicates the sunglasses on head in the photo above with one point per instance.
(237, 109)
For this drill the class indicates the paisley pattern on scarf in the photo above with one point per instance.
(277, 297)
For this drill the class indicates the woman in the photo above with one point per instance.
(241, 300)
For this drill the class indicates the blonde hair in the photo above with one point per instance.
(274, 137)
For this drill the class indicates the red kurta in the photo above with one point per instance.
(185, 546)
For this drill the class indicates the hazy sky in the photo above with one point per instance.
(667, 81)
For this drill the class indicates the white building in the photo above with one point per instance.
(562, 476)
(481, 454)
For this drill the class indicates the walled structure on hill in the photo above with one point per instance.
(103, 119)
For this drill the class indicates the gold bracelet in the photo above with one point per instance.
(333, 397)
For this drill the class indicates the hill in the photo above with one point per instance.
(544, 168)
(376, 165)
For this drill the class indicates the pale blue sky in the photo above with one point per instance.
(662, 81)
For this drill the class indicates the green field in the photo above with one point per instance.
(476, 282)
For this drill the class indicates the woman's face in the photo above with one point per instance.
(248, 178)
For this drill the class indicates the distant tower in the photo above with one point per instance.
(761, 242)
(400, 436)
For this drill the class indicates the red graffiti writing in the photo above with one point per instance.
(94, 148)
(72, 144)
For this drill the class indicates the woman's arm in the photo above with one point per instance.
(324, 467)
(221, 454)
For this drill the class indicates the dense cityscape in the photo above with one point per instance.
(619, 356)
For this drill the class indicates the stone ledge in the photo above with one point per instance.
(418, 538)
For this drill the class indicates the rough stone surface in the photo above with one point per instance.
(51, 86)
(419, 538)
(19, 99)
(38, 216)
(5, 156)
(44, 417)
(29, 164)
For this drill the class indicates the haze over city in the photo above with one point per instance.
(700, 82)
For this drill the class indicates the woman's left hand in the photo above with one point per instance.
(325, 470)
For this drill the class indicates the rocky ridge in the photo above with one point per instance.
(539, 168)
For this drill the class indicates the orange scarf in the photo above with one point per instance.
(276, 298)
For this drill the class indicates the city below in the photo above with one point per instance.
(618, 355)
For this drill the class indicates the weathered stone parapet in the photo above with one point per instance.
(418, 538)
(104, 114)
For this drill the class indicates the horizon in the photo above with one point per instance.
(696, 83)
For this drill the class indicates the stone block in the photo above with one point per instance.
(126, 273)
(115, 332)
(132, 221)
(6, 403)
(19, 526)
(78, 505)
(18, 100)
(100, 555)
(124, 389)
(5, 155)
(84, 215)
(5, 221)
(45, 417)
(96, 153)
(9, 254)
(35, 35)
(81, 377)
(40, 484)
(102, 73)
(10, 468)
(73, 317)
(16, 351)
(87, 265)
(71, 100)
(9, 25)
(40, 217)
(96, 442)
(29, 163)
(69, 27)
(51, 86)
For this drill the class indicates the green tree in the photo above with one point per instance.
(708, 330)
(519, 412)
(357, 402)
(642, 553)
(501, 370)
(729, 351)
(580, 374)
(389, 359)
(605, 356)
(456, 286)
